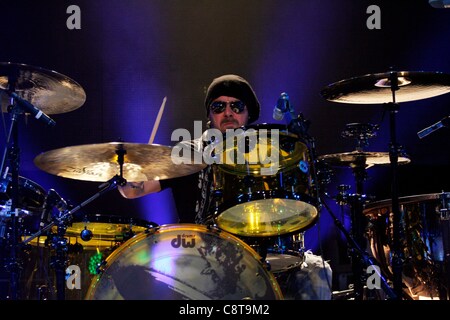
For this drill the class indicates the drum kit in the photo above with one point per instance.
(214, 261)
(389, 89)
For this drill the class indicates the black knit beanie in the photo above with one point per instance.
(234, 86)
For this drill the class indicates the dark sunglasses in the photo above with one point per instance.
(220, 106)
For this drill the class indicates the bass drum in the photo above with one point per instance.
(184, 262)
(424, 244)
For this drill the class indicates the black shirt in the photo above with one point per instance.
(192, 195)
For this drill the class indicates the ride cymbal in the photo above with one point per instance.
(100, 162)
(47, 90)
(361, 158)
(377, 88)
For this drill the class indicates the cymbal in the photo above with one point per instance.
(376, 88)
(99, 162)
(360, 158)
(47, 90)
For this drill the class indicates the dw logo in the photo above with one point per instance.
(185, 243)
(73, 280)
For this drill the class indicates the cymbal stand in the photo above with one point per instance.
(361, 132)
(360, 255)
(445, 229)
(13, 264)
(358, 227)
(397, 254)
(17, 107)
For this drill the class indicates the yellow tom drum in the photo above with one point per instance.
(263, 182)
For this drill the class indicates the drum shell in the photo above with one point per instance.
(244, 193)
(185, 261)
(423, 232)
(38, 279)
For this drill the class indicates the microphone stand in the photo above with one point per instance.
(300, 126)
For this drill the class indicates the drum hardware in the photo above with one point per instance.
(360, 258)
(28, 90)
(58, 242)
(109, 232)
(444, 211)
(361, 132)
(359, 161)
(390, 88)
(86, 234)
(445, 228)
(64, 162)
(444, 122)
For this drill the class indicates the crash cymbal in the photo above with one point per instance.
(47, 90)
(99, 162)
(360, 158)
(376, 88)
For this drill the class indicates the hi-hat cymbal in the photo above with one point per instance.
(376, 88)
(99, 162)
(360, 158)
(47, 90)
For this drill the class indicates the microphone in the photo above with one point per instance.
(445, 122)
(53, 199)
(36, 112)
(60, 203)
(282, 107)
(47, 209)
(296, 123)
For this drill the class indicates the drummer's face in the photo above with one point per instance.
(231, 117)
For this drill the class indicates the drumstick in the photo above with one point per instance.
(158, 119)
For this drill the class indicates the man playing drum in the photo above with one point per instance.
(230, 103)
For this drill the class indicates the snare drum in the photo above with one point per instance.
(184, 261)
(267, 189)
(109, 232)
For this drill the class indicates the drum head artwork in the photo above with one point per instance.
(188, 262)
